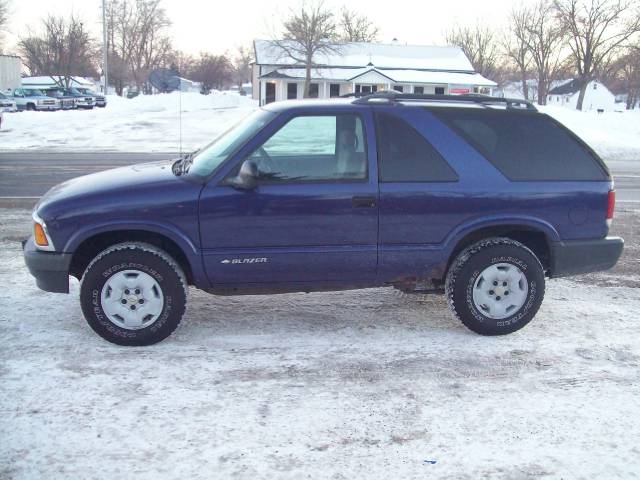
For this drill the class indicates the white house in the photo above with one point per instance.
(365, 68)
(597, 96)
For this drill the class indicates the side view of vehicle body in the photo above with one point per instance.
(475, 197)
(34, 99)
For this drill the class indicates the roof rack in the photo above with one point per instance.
(484, 100)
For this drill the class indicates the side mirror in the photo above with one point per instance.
(247, 178)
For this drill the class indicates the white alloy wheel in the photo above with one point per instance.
(500, 291)
(132, 299)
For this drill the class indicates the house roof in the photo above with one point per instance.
(380, 55)
(394, 75)
(52, 81)
(568, 88)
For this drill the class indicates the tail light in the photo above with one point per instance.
(611, 205)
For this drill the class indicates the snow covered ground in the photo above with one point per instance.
(151, 124)
(366, 384)
(147, 123)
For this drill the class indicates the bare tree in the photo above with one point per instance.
(545, 39)
(182, 63)
(627, 74)
(598, 30)
(307, 32)
(213, 71)
(242, 65)
(515, 45)
(356, 28)
(479, 44)
(137, 40)
(65, 49)
(4, 18)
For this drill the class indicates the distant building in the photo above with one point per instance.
(365, 68)
(187, 85)
(10, 72)
(597, 96)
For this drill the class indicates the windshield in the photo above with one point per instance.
(33, 93)
(73, 91)
(2, 95)
(55, 93)
(212, 156)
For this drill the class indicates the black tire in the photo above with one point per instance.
(30, 107)
(471, 262)
(144, 258)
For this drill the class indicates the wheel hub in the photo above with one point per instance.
(132, 299)
(500, 290)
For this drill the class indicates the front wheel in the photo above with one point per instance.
(133, 294)
(495, 286)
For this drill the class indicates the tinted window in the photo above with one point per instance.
(406, 156)
(313, 90)
(526, 147)
(334, 90)
(314, 148)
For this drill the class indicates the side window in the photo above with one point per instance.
(405, 155)
(314, 148)
(524, 146)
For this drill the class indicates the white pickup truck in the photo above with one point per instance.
(34, 99)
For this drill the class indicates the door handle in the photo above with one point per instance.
(364, 201)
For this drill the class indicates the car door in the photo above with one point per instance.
(312, 217)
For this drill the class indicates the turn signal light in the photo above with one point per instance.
(39, 236)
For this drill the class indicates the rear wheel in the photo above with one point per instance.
(31, 106)
(133, 294)
(495, 286)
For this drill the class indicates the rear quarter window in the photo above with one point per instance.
(526, 146)
(404, 155)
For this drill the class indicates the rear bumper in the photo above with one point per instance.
(584, 256)
(50, 269)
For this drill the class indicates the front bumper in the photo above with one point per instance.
(50, 269)
(48, 107)
(576, 257)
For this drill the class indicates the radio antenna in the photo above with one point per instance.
(166, 81)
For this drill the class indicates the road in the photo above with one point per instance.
(25, 176)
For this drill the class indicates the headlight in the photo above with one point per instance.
(40, 234)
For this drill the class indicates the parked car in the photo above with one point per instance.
(34, 99)
(475, 197)
(67, 102)
(133, 93)
(101, 100)
(7, 104)
(81, 100)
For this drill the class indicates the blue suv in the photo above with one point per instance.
(475, 197)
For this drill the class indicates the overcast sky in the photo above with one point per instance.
(217, 26)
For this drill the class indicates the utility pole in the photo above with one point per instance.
(105, 68)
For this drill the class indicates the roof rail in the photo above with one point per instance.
(484, 100)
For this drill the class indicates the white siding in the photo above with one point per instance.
(10, 69)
